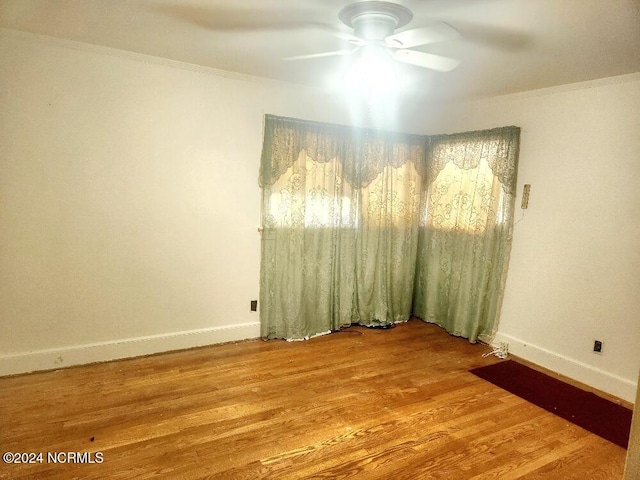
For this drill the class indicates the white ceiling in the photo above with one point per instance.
(506, 45)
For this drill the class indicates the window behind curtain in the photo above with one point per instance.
(340, 233)
(465, 235)
(465, 200)
(373, 227)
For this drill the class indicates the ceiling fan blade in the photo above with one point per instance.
(426, 60)
(323, 54)
(436, 32)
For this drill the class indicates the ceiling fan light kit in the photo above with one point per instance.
(372, 71)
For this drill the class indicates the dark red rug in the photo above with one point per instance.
(585, 409)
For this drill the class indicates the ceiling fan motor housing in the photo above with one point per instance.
(375, 42)
(375, 20)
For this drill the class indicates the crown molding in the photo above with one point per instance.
(46, 40)
(568, 87)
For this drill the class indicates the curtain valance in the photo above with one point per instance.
(498, 146)
(362, 152)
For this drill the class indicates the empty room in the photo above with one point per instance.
(329, 239)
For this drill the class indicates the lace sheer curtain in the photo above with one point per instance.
(344, 226)
(339, 236)
(465, 234)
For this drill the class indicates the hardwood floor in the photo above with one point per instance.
(365, 404)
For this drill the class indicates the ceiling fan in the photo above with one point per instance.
(374, 23)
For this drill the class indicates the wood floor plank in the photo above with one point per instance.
(362, 403)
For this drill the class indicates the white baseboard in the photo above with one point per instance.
(576, 370)
(124, 348)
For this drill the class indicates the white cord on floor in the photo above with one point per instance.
(500, 350)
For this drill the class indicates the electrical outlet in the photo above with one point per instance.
(597, 346)
(254, 305)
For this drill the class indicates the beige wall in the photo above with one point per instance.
(119, 219)
(129, 200)
(575, 267)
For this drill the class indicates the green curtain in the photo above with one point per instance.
(339, 236)
(343, 215)
(465, 236)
